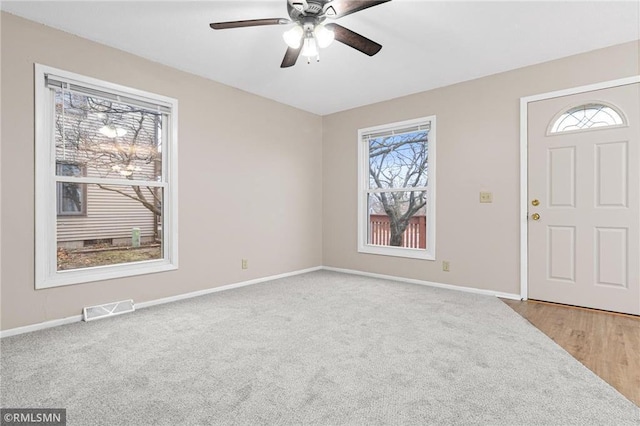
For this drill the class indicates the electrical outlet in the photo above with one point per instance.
(445, 265)
(245, 264)
(486, 197)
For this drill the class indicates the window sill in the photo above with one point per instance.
(397, 252)
(101, 273)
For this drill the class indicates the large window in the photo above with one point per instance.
(106, 180)
(396, 206)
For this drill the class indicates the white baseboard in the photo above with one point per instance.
(170, 299)
(142, 305)
(427, 283)
(78, 318)
(40, 326)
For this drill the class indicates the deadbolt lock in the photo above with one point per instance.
(535, 216)
(535, 202)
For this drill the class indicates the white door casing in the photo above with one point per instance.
(584, 249)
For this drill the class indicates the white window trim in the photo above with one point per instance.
(46, 273)
(363, 178)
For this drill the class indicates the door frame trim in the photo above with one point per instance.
(524, 162)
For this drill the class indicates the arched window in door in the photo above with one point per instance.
(587, 116)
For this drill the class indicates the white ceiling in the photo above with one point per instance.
(426, 44)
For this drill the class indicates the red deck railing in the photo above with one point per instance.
(415, 236)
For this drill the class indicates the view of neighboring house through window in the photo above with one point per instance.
(397, 181)
(70, 196)
(114, 178)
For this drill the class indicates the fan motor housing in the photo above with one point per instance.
(309, 8)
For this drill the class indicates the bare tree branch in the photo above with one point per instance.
(148, 205)
(399, 163)
(79, 124)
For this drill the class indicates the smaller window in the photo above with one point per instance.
(71, 196)
(585, 117)
(397, 189)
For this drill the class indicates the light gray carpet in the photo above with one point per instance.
(321, 348)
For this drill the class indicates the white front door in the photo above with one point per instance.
(584, 190)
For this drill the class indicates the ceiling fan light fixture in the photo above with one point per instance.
(293, 36)
(324, 36)
(309, 47)
(308, 34)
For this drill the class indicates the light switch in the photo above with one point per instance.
(486, 197)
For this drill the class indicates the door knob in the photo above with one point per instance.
(535, 202)
(535, 216)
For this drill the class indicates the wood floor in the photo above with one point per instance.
(606, 343)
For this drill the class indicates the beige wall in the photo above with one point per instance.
(250, 178)
(280, 183)
(477, 150)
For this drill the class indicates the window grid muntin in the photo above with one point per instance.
(581, 118)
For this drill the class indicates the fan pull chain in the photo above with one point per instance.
(317, 58)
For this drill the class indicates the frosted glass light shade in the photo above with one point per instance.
(323, 35)
(293, 37)
(309, 48)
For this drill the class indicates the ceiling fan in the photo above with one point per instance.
(310, 31)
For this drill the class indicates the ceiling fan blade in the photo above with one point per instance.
(355, 40)
(347, 7)
(290, 57)
(248, 23)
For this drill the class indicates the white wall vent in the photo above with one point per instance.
(107, 310)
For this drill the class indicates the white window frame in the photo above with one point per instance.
(363, 190)
(46, 273)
